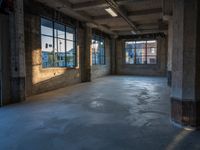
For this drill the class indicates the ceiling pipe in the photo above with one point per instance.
(116, 8)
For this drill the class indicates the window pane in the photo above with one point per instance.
(58, 44)
(93, 58)
(59, 30)
(140, 52)
(129, 45)
(102, 60)
(151, 52)
(98, 50)
(47, 51)
(98, 58)
(101, 44)
(59, 52)
(130, 56)
(130, 52)
(70, 34)
(46, 27)
(71, 54)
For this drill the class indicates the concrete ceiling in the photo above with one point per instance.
(143, 16)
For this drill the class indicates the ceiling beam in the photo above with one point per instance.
(145, 12)
(99, 4)
(66, 8)
(167, 9)
(120, 33)
(140, 27)
(132, 13)
(121, 13)
(88, 5)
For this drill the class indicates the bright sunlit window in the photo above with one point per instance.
(58, 44)
(141, 52)
(98, 50)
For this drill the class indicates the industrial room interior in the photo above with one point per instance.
(99, 74)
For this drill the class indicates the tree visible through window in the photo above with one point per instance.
(58, 45)
(98, 50)
(141, 52)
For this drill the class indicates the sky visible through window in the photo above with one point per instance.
(58, 44)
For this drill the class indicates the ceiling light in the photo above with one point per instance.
(111, 12)
(133, 32)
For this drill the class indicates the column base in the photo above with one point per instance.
(185, 113)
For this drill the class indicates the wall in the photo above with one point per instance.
(102, 70)
(38, 79)
(152, 70)
(5, 55)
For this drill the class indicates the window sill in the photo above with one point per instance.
(141, 64)
(60, 68)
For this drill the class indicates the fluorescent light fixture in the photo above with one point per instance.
(133, 32)
(111, 12)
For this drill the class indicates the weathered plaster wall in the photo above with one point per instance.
(38, 79)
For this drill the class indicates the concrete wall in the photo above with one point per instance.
(152, 70)
(5, 55)
(38, 79)
(102, 70)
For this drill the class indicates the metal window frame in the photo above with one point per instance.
(101, 55)
(135, 62)
(74, 42)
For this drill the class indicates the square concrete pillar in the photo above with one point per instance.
(170, 48)
(18, 71)
(113, 55)
(86, 55)
(185, 104)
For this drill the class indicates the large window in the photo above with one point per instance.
(98, 50)
(58, 45)
(141, 52)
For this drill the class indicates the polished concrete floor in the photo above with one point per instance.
(110, 113)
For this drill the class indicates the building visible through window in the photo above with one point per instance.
(58, 45)
(141, 52)
(98, 50)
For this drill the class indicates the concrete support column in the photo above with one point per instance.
(170, 49)
(86, 58)
(185, 104)
(113, 55)
(18, 72)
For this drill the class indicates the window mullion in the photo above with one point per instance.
(53, 46)
(146, 53)
(75, 49)
(135, 62)
(65, 48)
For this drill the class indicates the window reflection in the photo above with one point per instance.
(98, 50)
(58, 45)
(141, 52)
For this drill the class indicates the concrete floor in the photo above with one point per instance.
(111, 113)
